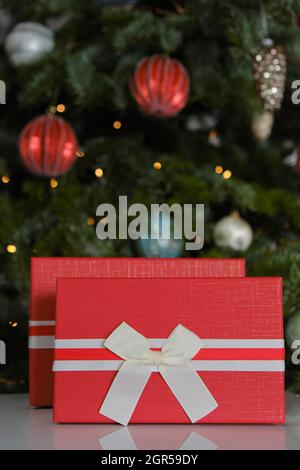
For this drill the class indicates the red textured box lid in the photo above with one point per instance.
(224, 308)
(44, 273)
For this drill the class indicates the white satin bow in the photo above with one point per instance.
(173, 362)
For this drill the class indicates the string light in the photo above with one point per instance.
(213, 138)
(52, 109)
(117, 125)
(219, 169)
(13, 324)
(60, 108)
(11, 248)
(53, 183)
(212, 134)
(157, 165)
(5, 179)
(80, 153)
(99, 172)
(227, 174)
(90, 220)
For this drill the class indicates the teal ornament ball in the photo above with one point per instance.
(158, 247)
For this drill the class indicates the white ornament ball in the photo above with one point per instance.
(233, 232)
(193, 123)
(28, 42)
(262, 125)
(201, 122)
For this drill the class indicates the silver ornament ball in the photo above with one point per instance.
(292, 330)
(193, 123)
(28, 42)
(233, 232)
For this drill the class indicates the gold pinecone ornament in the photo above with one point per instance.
(262, 125)
(269, 67)
(269, 73)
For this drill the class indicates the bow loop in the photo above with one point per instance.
(127, 343)
(182, 345)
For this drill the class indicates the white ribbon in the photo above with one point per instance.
(174, 364)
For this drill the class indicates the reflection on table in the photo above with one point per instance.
(24, 428)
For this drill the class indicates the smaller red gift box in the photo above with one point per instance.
(241, 361)
(45, 272)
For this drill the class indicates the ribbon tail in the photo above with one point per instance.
(197, 442)
(118, 440)
(189, 389)
(125, 391)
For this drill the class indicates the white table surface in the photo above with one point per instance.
(25, 428)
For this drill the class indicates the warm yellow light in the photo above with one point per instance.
(157, 165)
(227, 174)
(60, 108)
(212, 134)
(13, 324)
(80, 154)
(219, 169)
(90, 220)
(53, 183)
(99, 172)
(5, 179)
(11, 248)
(117, 124)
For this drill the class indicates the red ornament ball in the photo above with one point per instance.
(48, 146)
(160, 86)
(298, 161)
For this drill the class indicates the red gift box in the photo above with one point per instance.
(241, 361)
(44, 273)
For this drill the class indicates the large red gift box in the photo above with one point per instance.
(241, 361)
(44, 273)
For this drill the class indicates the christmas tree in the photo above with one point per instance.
(233, 146)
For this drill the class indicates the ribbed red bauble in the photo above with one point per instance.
(160, 85)
(298, 161)
(48, 146)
